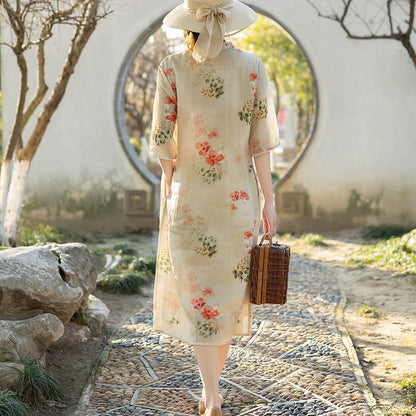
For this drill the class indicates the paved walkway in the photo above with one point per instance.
(294, 364)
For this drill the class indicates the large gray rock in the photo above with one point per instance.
(97, 315)
(77, 265)
(30, 337)
(73, 334)
(55, 278)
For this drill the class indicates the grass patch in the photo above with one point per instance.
(31, 232)
(39, 234)
(408, 388)
(11, 405)
(313, 239)
(369, 312)
(396, 253)
(124, 283)
(98, 251)
(285, 235)
(35, 384)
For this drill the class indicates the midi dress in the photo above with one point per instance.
(212, 118)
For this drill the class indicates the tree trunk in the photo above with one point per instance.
(4, 184)
(14, 201)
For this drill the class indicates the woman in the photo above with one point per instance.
(212, 118)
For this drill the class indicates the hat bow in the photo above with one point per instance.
(208, 13)
(210, 40)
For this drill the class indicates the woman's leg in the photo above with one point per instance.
(207, 357)
(208, 363)
(222, 352)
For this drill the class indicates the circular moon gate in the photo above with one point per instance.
(119, 98)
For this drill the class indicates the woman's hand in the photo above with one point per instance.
(270, 219)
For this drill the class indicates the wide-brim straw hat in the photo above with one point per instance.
(184, 16)
(212, 19)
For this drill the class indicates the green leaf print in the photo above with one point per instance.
(242, 269)
(210, 175)
(260, 109)
(161, 134)
(215, 87)
(246, 113)
(174, 320)
(208, 245)
(207, 328)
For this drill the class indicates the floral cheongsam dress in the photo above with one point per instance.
(212, 117)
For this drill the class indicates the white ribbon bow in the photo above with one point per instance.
(210, 40)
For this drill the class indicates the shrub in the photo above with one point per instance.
(385, 232)
(125, 249)
(123, 283)
(11, 405)
(369, 312)
(38, 234)
(35, 384)
(143, 263)
(313, 239)
(408, 385)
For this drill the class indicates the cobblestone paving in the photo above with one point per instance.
(295, 364)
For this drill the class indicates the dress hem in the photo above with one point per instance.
(165, 332)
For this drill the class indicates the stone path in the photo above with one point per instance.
(294, 364)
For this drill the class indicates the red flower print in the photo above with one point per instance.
(170, 100)
(200, 131)
(187, 220)
(194, 286)
(168, 71)
(173, 85)
(171, 116)
(244, 195)
(214, 158)
(198, 119)
(209, 313)
(207, 291)
(213, 133)
(203, 148)
(248, 234)
(249, 250)
(186, 209)
(234, 195)
(233, 207)
(192, 276)
(198, 303)
(253, 76)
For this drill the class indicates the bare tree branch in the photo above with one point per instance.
(78, 42)
(383, 31)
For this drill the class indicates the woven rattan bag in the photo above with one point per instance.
(269, 271)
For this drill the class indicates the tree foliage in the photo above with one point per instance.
(286, 67)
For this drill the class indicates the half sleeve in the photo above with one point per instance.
(264, 131)
(163, 141)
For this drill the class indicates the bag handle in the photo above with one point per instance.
(267, 235)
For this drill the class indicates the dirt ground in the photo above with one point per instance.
(385, 346)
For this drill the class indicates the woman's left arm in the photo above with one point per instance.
(167, 166)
